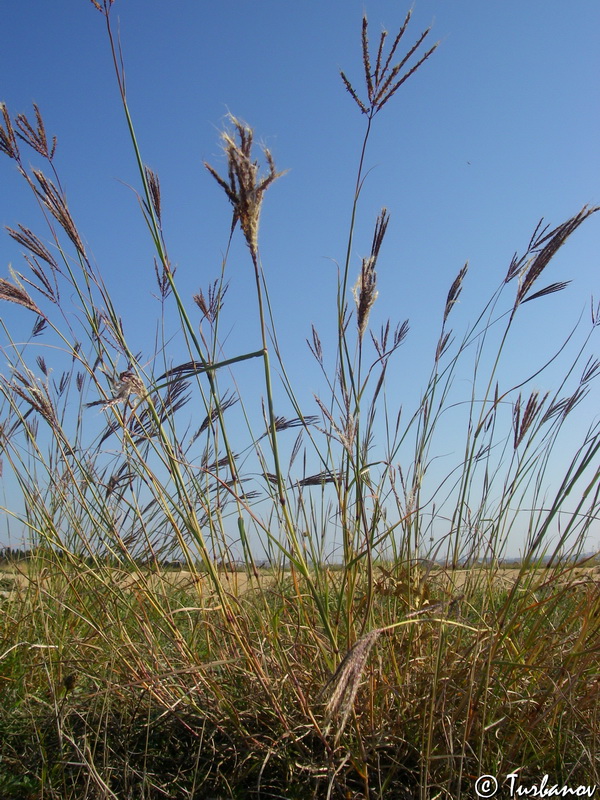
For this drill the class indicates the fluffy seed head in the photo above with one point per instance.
(244, 187)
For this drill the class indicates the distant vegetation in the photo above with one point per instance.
(370, 672)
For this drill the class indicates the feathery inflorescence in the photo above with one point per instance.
(344, 683)
(244, 187)
(365, 291)
(383, 82)
(542, 248)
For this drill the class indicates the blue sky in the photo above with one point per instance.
(498, 129)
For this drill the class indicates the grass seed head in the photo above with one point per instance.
(544, 247)
(154, 187)
(36, 137)
(16, 294)
(364, 290)
(383, 82)
(343, 685)
(8, 139)
(244, 187)
(56, 204)
(455, 291)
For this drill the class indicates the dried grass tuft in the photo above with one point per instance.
(224, 403)
(35, 393)
(36, 137)
(383, 82)
(345, 434)
(154, 187)
(52, 198)
(344, 683)
(522, 423)
(244, 187)
(16, 294)
(8, 140)
(455, 291)
(211, 305)
(284, 424)
(128, 384)
(545, 246)
(164, 275)
(321, 478)
(315, 347)
(29, 240)
(364, 291)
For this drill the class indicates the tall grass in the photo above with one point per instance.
(405, 662)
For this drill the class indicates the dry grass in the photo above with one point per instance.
(378, 673)
(151, 656)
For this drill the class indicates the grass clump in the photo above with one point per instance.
(147, 651)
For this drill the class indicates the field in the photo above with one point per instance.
(240, 604)
(143, 684)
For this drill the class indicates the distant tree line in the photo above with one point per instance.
(11, 555)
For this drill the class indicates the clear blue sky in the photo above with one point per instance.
(498, 129)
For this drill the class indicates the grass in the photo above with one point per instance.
(404, 668)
